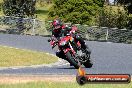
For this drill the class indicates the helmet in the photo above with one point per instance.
(57, 24)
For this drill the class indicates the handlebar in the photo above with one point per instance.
(49, 40)
(53, 42)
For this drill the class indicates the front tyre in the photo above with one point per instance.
(81, 80)
(88, 64)
(71, 60)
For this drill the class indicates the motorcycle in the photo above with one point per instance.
(72, 50)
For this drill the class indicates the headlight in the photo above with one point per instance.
(62, 43)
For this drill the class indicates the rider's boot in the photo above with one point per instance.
(60, 54)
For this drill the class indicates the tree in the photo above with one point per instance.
(76, 11)
(19, 8)
(108, 17)
(128, 4)
(123, 1)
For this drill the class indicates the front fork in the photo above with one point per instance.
(74, 53)
(79, 52)
(71, 47)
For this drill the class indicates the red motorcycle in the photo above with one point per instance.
(74, 54)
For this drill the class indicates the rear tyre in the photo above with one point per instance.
(71, 60)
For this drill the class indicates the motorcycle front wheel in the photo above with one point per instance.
(88, 64)
(71, 60)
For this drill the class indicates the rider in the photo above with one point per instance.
(59, 30)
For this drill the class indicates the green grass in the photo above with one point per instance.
(63, 85)
(18, 57)
(42, 11)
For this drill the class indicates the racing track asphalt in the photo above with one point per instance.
(107, 57)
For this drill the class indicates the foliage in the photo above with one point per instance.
(128, 4)
(124, 1)
(111, 18)
(75, 11)
(19, 8)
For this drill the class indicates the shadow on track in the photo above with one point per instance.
(66, 68)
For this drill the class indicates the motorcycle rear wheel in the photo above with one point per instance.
(71, 60)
